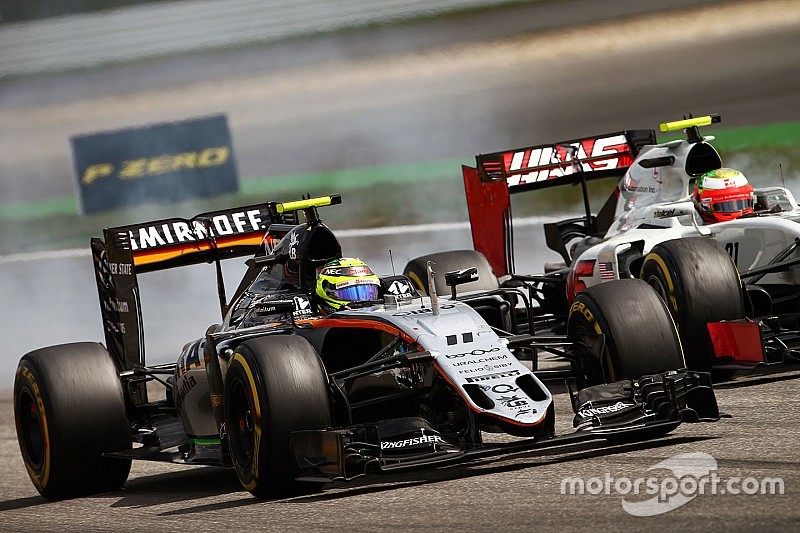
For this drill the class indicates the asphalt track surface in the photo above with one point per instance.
(519, 492)
(750, 77)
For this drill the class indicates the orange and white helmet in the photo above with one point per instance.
(723, 194)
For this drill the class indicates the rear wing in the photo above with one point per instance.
(550, 165)
(127, 251)
(499, 174)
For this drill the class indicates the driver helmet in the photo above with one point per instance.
(345, 281)
(723, 194)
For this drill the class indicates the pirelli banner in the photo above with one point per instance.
(161, 163)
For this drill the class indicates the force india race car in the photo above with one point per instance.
(292, 398)
(648, 229)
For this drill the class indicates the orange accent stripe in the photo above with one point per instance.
(359, 323)
(146, 257)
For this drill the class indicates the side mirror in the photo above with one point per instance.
(459, 277)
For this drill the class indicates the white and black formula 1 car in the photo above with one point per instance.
(292, 398)
(733, 287)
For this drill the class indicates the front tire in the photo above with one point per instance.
(274, 385)
(640, 336)
(69, 410)
(700, 284)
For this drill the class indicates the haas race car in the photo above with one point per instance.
(730, 280)
(293, 393)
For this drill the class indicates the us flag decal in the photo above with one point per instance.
(606, 270)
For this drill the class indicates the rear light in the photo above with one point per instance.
(583, 268)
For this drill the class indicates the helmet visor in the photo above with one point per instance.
(732, 206)
(356, 293)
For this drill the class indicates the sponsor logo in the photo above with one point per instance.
(401, 289)
(488, 377)
(179, 231)
(592, 411)
(481, 360)
(605, 153)
(512, 401)
(580, 307)
(357, 281)
(473, 352)
(414, 441)
(664, 213)
(302, 306)
(122, 269)
(294, 245)
(187, 385)
(502, 388)
(154, 166)
(423, 311)
(486, 368)
(117, 306)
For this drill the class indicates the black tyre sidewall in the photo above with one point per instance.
(699, 284)
(286, 386)
(81, 414)
(640, 337)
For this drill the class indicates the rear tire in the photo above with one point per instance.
(69, 410)
(274, 385)
(700, 284)
(640, 337)
(416, 270)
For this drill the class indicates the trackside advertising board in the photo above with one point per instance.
(160, 163)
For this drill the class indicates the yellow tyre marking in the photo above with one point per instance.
(671, 287)
(580, 307)
(40, 483)
(256, 419)
(665, 271)
(680, 343)
(420, 286)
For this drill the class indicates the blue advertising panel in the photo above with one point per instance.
(161, 163)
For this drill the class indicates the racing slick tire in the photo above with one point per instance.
(416, 270)
(700, 284)
(274, 385)
(640, 336)
(70, 410)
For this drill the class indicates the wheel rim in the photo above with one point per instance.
(658, 286)
(241, 431)
(30, 429)
(588, 372)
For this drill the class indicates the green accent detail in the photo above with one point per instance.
(203, 442)
(60, 205)
(354, 178)
(750, 137)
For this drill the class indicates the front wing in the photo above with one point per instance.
(646, 408)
